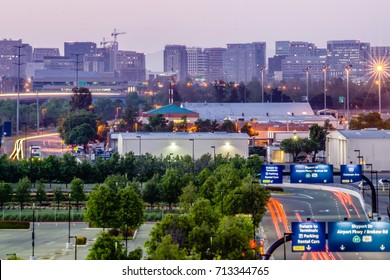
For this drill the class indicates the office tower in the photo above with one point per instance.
(380, 53)
(131, 65)
(9, 60)
(40, 53)
(175, 60)
(197, 64)
(348, 52)
(215, 63)
(72, 48)
(242, 62)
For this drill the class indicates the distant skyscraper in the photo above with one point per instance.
(197, 63)
(131, 65)
(175, 60)
(215, 63)
(242, 62)
(380, 53)
(9, 57)
(348, 52)
(40, 53)
(72, 48)
(58, 63)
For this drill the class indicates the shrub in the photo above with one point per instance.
(14, 225)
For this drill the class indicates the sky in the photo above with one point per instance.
(149, 25)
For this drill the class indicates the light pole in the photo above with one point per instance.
(193, 156)
(307, 70)
(358, 151)
(379, 70)
(18, 101)
(213, 147)
(75, 246)
(262, 69)
(347, 70)
(68, 244)
(33, 234)
(139, 144)
(324, 71)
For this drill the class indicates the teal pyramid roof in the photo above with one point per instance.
(170, 109)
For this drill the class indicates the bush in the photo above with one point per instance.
(81, 240)
(14, 225)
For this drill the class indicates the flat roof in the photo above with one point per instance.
(184, 135)
(365, 134)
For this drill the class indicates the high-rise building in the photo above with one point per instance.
(40, 53)
(242, 62)
(72, 48)
(215, 63)
(175, 60)
(58, 63)
(131, 65)
(197, 64)
(348, 52)
(9, 57)
(380, 53)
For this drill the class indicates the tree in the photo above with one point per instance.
(5, 193)
(41, 193)
(81, 99)
(131, 208)
(106, 247)
(228, 126)
(77, 191)
(247, 128)
(171, 186)
(152, 191)
(318, 134)
(58, 196)
(157, 123)
(51, 167)
(68, 168)
(22, 193)
(78, 128)
(292, 146)
(370, 120)
(188, 196)
(168, 250)
(102, 207)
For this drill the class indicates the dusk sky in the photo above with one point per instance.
(152, 24)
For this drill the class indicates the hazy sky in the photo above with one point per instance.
(151, 24)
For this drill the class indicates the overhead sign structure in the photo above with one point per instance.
(308, 236)
(271, 174)
(359, 236)
(350, 173)
(311, 173)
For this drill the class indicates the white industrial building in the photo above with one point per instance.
(183, 143)
(346, 146)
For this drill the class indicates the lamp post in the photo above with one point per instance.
(213, 147)
(139, 143)
(19, 47)
(379, 70)
(307, 70)
(324, 71)
(262, 69)
(193, 156)
(33, 234)
(75, 246)
(358, 151)
(347, 70)
(68, 244)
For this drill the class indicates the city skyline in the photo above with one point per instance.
(150, 25)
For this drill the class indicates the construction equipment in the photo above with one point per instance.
(115, 34)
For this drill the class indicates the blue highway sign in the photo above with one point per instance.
(311, 173)
(359, 236)
(271, 174)
(350, 173)
(308, 236)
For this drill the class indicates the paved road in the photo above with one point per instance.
(297, 204)
(51, 239)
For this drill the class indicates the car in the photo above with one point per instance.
(384, 183)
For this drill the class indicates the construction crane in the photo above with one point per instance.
(104, 42)
(115, 34)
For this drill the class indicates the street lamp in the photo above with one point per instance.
(213, 147)
(75, 246)
(324, 71)
(193, 156)
(358, 151)
(33, 233)
(379, 70)
(307, 70)
(68, 244)
(139, 148)
(347, 70)
(262, 69)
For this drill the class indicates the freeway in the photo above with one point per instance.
(299, 203)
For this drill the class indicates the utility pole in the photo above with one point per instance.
(77, 67)
(18, 101)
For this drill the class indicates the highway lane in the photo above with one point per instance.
(297, 203)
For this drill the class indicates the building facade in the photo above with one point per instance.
(242, 62)
(215, 63)
(175, 60)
